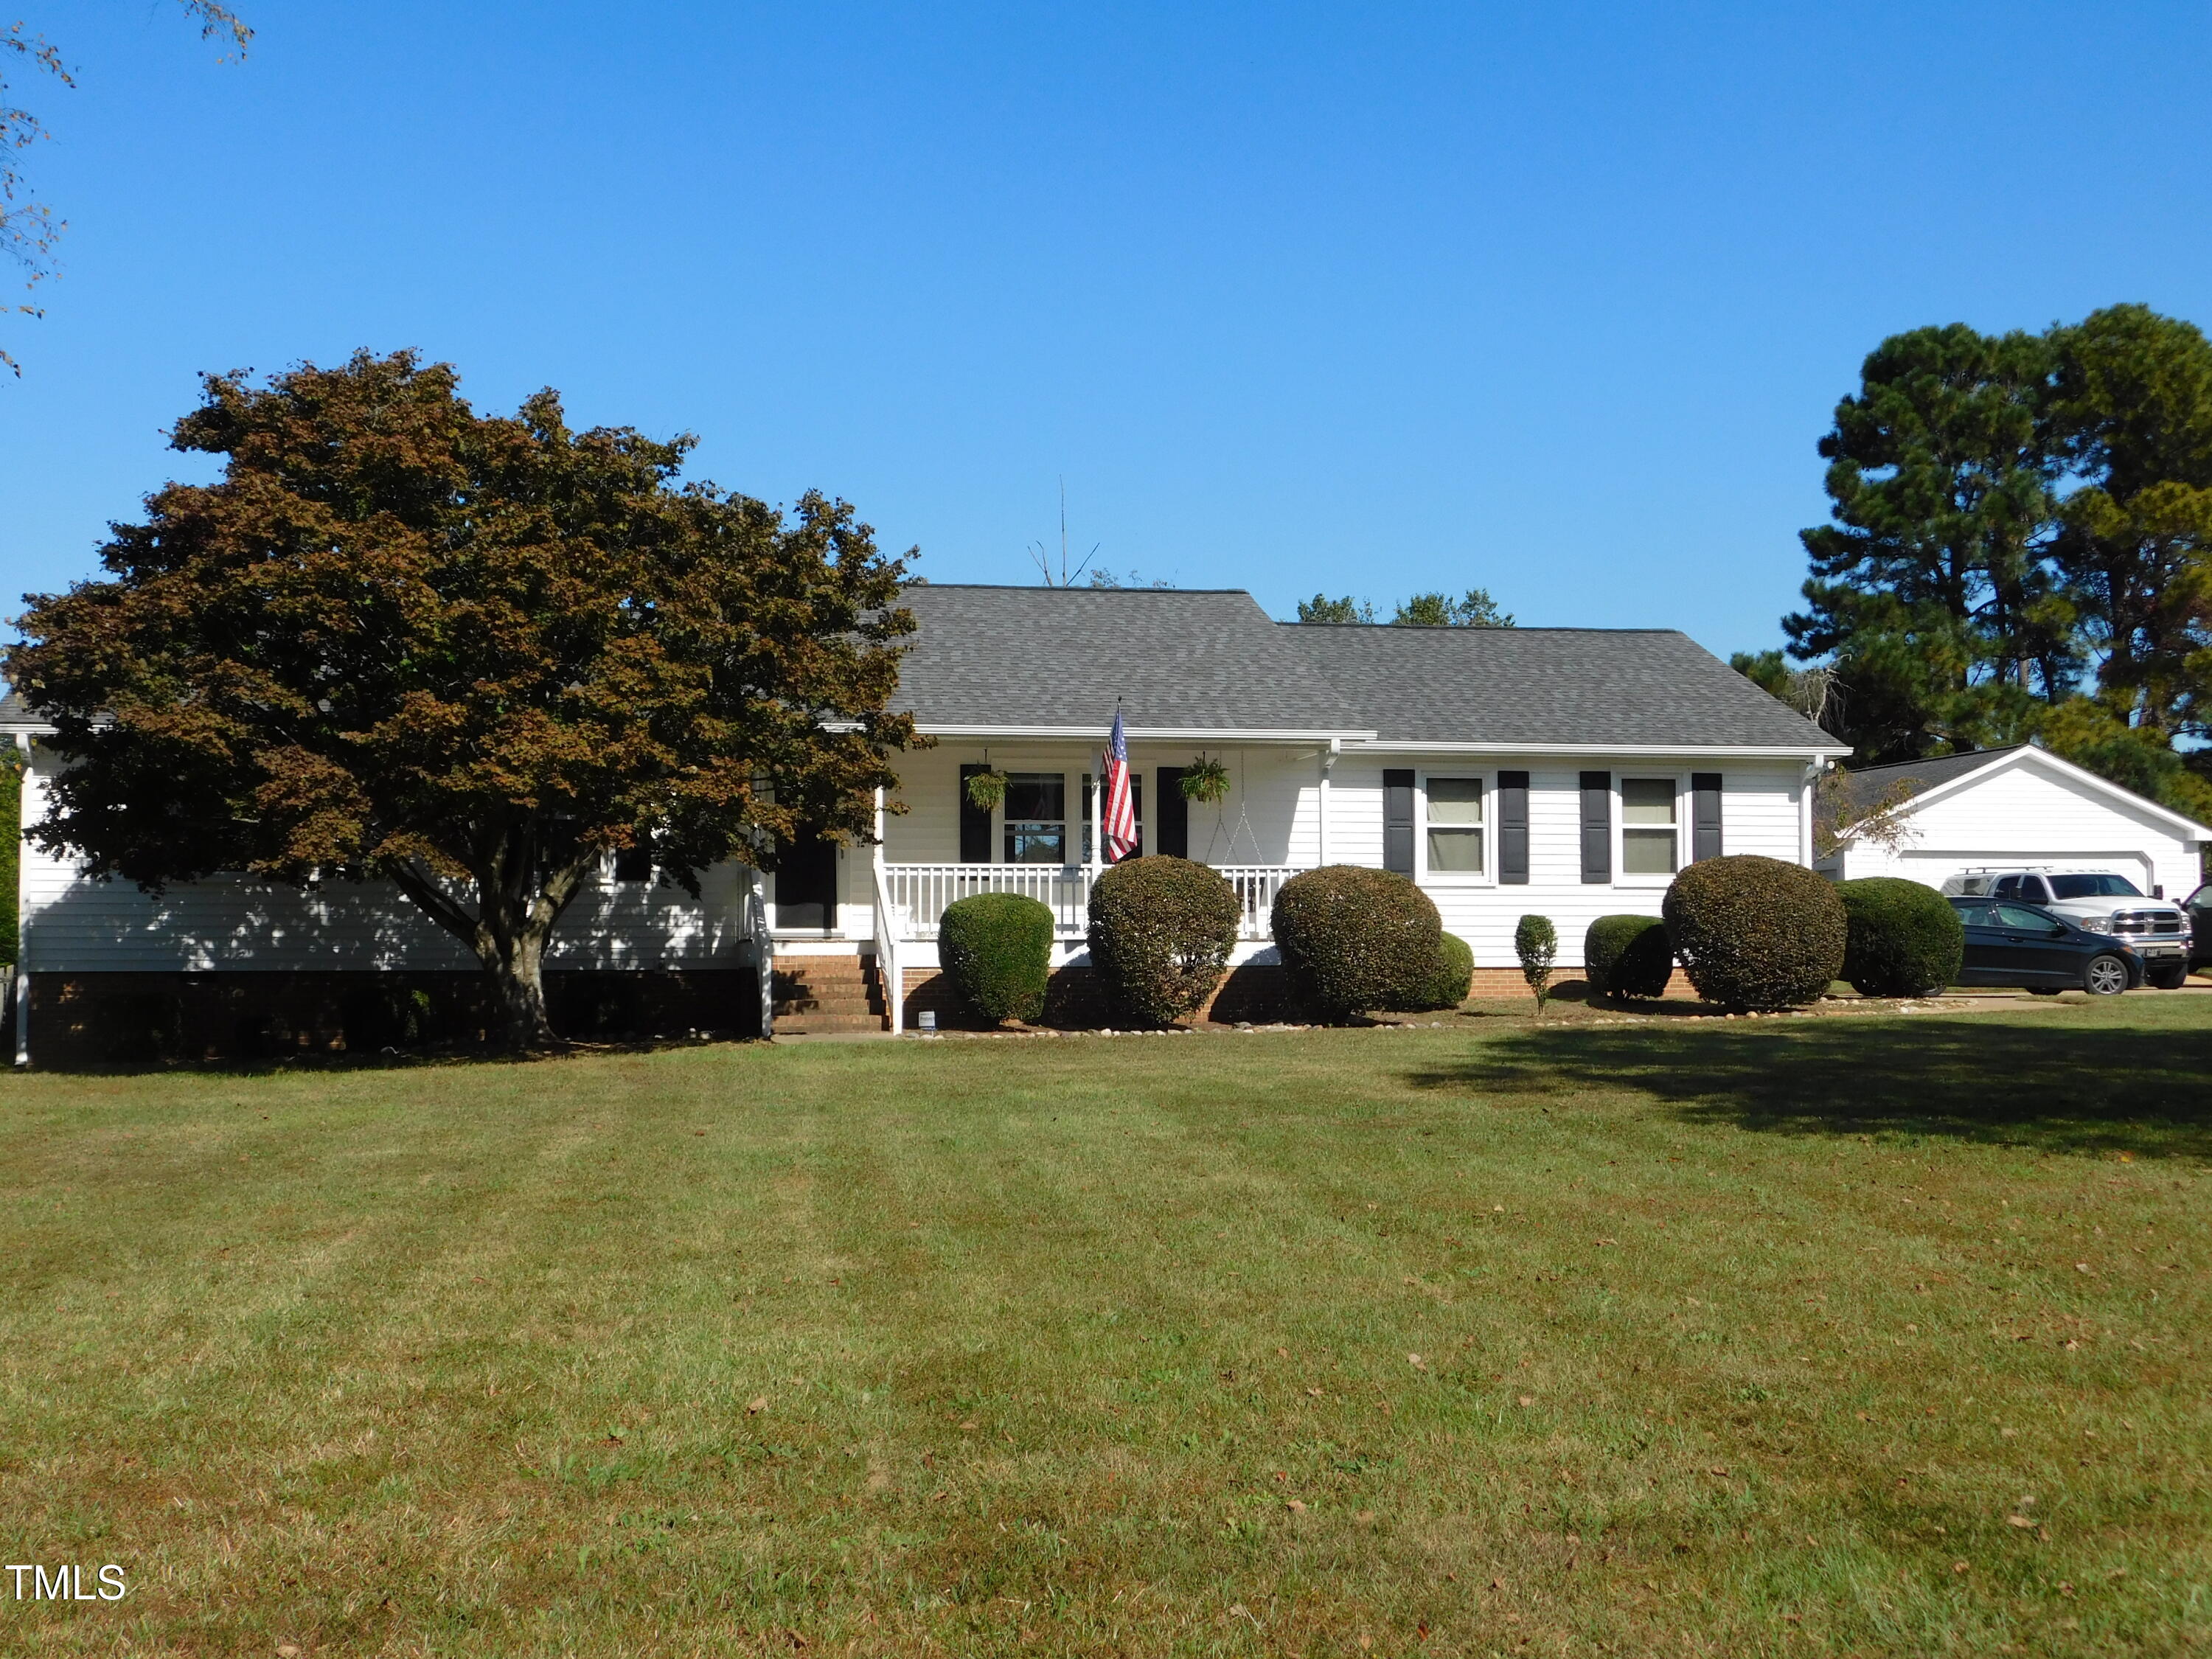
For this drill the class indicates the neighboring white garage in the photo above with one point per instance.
(2016, 806)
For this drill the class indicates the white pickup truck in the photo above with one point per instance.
(2154, 928)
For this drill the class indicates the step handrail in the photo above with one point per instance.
(890, 923)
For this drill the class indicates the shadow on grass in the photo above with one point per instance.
(446, 1056)
(2144, 1092)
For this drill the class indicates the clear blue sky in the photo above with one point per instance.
(1551, 300)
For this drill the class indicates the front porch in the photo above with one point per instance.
(909, 901)
(914, 897)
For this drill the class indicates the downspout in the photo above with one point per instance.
(1327, 765)
(22, 912)
(1813, 769)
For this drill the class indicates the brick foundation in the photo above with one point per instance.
(1072, 1000)
(1505, 984)
(80, 1019)
(1254, 991)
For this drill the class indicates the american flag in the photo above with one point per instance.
(1117, 820)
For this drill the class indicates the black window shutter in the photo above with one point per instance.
(1513, 827)
(1705, 815)
(1170, 824)
(974, 823)
(1598, 826)
(635, 863)
(1398, 821)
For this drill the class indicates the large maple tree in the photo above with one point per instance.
(474, 655)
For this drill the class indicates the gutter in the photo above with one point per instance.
(1812, 752)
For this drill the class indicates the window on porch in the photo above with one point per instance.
(1036, 817)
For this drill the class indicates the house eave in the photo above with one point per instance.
(1634, 750)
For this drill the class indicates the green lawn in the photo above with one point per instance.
(1870, 1334)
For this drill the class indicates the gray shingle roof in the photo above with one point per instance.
(1177, 659)
(1629, 687)
(1865, 786)
(1198, 659)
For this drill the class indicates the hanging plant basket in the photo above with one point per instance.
(986, 791)
(1206, 781)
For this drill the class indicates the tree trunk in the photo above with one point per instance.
(518, 997)
(508, 933)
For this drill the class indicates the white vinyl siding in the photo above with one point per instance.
(1759, 814)
(237, 924)
(1272, 816)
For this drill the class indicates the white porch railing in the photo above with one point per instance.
(754, 913)
(1256, 886)
(891, 927)
(921, 892)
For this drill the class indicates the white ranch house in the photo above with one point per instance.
(1568, 772)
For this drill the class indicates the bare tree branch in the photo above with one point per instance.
(28, 230)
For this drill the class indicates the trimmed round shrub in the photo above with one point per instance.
(1450, 976)
(1353, 939)
(1161, 931)
(1905, 939)
(1754, 932)
(996, 948)
(1628, 957)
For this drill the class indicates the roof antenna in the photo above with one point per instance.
(1041, 557)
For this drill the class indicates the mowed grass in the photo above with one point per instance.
(1868, 1335)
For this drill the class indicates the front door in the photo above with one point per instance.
(806, 886)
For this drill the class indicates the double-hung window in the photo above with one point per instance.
(1036, 817)
(1650, 828)
(1455, 826)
